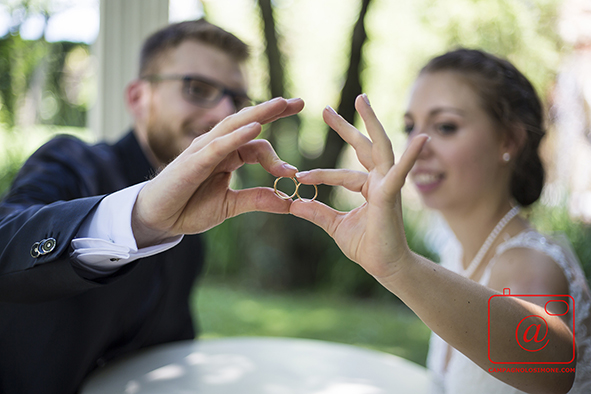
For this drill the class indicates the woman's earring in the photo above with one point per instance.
(506, 157)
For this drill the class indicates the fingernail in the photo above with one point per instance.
(289, 167)
(330, 109)
(366, 99)
(276, 99)
(301, 174)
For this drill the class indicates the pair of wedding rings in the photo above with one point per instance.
(295, 193)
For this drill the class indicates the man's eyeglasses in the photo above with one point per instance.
(202, 91)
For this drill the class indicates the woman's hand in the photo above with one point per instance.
(372, 234)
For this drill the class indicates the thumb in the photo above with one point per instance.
(318, 213)
(261, 199)
(397, 174)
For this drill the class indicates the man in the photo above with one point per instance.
(94, 263)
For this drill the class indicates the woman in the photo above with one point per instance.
(474, 123)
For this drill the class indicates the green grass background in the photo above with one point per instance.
(226, 309)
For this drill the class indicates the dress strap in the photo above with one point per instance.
(485, 277)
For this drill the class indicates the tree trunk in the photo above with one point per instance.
(334, 144)
(286, 251)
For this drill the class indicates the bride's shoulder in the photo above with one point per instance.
(530, 242)
(529, 262)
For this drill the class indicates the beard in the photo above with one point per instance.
(161, 141)
(168, 139)
(166, 142)
(162, 136)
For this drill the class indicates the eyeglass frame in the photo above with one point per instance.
(187, 78)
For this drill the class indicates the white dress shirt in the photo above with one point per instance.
(105, 241)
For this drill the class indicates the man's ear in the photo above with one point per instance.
(136, 98)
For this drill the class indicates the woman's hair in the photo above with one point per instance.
(511, 101)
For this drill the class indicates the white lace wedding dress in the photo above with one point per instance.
(463, 376)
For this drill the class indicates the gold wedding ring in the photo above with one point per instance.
(303, 199)
(295, 182)
(296, 192)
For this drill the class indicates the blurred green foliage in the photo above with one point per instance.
(227, 309)
(405, 34)
(42, 82)
(525, 32)
(336, 273)
(556, 220)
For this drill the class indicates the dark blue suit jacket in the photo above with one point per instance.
(56, 325)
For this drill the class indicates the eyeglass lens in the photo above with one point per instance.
(206, 94)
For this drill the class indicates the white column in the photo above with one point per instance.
(124, 24)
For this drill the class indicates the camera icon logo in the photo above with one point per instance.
(531, 333)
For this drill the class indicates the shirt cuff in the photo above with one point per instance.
(105, 241)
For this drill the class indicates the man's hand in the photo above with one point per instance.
(192, 194)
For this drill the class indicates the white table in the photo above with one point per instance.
(244, 365)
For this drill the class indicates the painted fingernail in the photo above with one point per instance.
(289, 167)
(301, 174)
(366, 99)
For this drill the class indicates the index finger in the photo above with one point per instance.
(261, 113)
(382, 153)
(294, 106)
(360, 143)
(261, 151)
